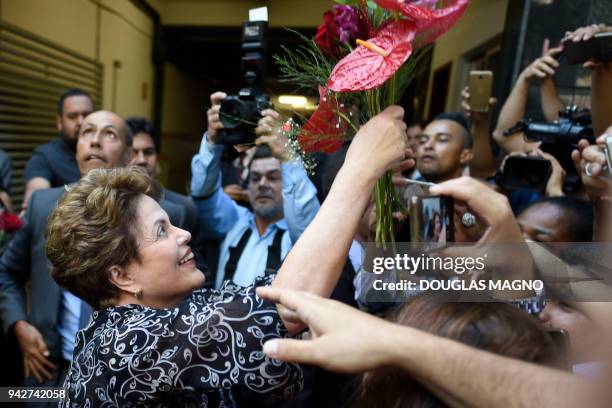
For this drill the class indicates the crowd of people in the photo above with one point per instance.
(252, 290)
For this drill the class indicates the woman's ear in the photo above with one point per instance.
(121, 278)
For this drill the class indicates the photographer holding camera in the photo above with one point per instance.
(513, 110)
(282, 197)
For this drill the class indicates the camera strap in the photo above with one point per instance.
(273, 261)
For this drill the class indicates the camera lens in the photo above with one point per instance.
(232, 112)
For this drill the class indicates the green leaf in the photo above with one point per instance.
(305, 66)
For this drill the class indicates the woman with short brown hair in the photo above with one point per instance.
(100, 213)
(156, 338)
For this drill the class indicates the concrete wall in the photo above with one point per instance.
(105, 30)
(483, 20)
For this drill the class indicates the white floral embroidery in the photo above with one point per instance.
(192, 355)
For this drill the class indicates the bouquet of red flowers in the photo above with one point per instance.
(362, 58)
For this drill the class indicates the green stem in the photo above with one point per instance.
(391, 90)
(384, 192)
(348, 120)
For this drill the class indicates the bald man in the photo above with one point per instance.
(46, 333)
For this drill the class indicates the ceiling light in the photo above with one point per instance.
(293, 100)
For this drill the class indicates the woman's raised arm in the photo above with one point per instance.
(315, 262)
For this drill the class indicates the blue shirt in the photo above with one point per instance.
(227, 221)
(68, 322)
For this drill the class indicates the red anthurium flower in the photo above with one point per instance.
(374, 61)
(430, 23)
(440, 22)
(401, 6)
(325, 130)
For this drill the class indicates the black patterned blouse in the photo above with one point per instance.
(189, 356)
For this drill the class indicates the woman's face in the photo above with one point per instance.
(167, 271)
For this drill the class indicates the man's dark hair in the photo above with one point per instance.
(141, 125)
(262, 152)
(578, 214)
(129, 136)
(461, 121)
(69, 93)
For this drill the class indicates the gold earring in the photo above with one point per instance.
(138, 293)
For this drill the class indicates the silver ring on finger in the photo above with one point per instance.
(587, 169)
(468, 220)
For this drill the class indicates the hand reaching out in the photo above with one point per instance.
(545, 66)
(344, 339)
(591, 164)
(585, 34)
(491, 207)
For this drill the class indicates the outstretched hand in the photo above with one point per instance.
(544, 67)
(591, 164)
(487, 205)
(343, 339)
(585, 34)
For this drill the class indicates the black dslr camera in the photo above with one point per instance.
(571, 126)
(240, 113)
(558, 139)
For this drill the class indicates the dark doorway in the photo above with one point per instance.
(439, 89)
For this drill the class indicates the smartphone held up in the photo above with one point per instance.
(480, 86)
(431, 219)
